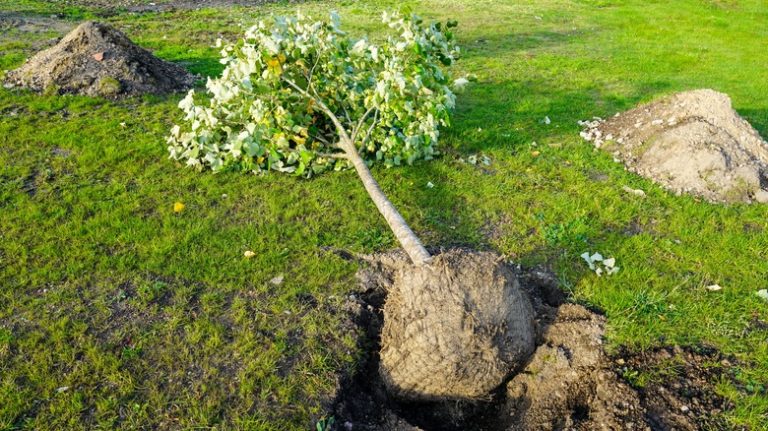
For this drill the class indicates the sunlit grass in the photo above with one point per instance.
(155, 319)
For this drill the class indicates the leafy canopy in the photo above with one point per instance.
(262, 113)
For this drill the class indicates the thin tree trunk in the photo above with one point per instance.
(410, 242)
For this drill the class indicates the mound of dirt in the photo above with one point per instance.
(692, 142)
(454, 329)
(569, 383)
(95, 59)
(566, 384)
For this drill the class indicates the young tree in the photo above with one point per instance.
(300, 96)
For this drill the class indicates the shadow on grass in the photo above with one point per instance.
(758, 118)
(203, 66)
(496, 45)
(519, 109)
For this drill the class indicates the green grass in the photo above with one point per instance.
(155, 320)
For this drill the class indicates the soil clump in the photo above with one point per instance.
(568, 383)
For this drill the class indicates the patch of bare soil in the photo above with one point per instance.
(691, 142)
(568, 383)
(95, 59)
(32, 24)
(679, 392)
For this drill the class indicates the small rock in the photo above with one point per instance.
(636, 192)
(714, 287)
(763, 293)
(277, 280)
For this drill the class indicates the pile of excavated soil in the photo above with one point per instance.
(691, 142)
(97, 60)
(569, 382)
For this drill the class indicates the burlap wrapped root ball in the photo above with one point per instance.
(454, 329)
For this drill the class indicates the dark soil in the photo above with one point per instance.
(679, 394)
(568, 384)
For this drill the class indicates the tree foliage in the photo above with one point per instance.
(292, 83)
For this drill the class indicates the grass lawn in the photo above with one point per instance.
(118, 313)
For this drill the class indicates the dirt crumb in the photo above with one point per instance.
(692, 142)
(95, 59)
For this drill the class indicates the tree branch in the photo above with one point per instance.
(333, 155)
(361, 121)
(370, 129)
(323, 107)
(323, 140)
(410, 242)
(312, 72)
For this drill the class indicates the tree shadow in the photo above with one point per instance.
(443, 212)
(526, 110)
(758, 118)
(491, 46)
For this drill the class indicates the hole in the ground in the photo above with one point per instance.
(580, 413)
(568, 369)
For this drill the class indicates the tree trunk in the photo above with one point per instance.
(410, 242)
